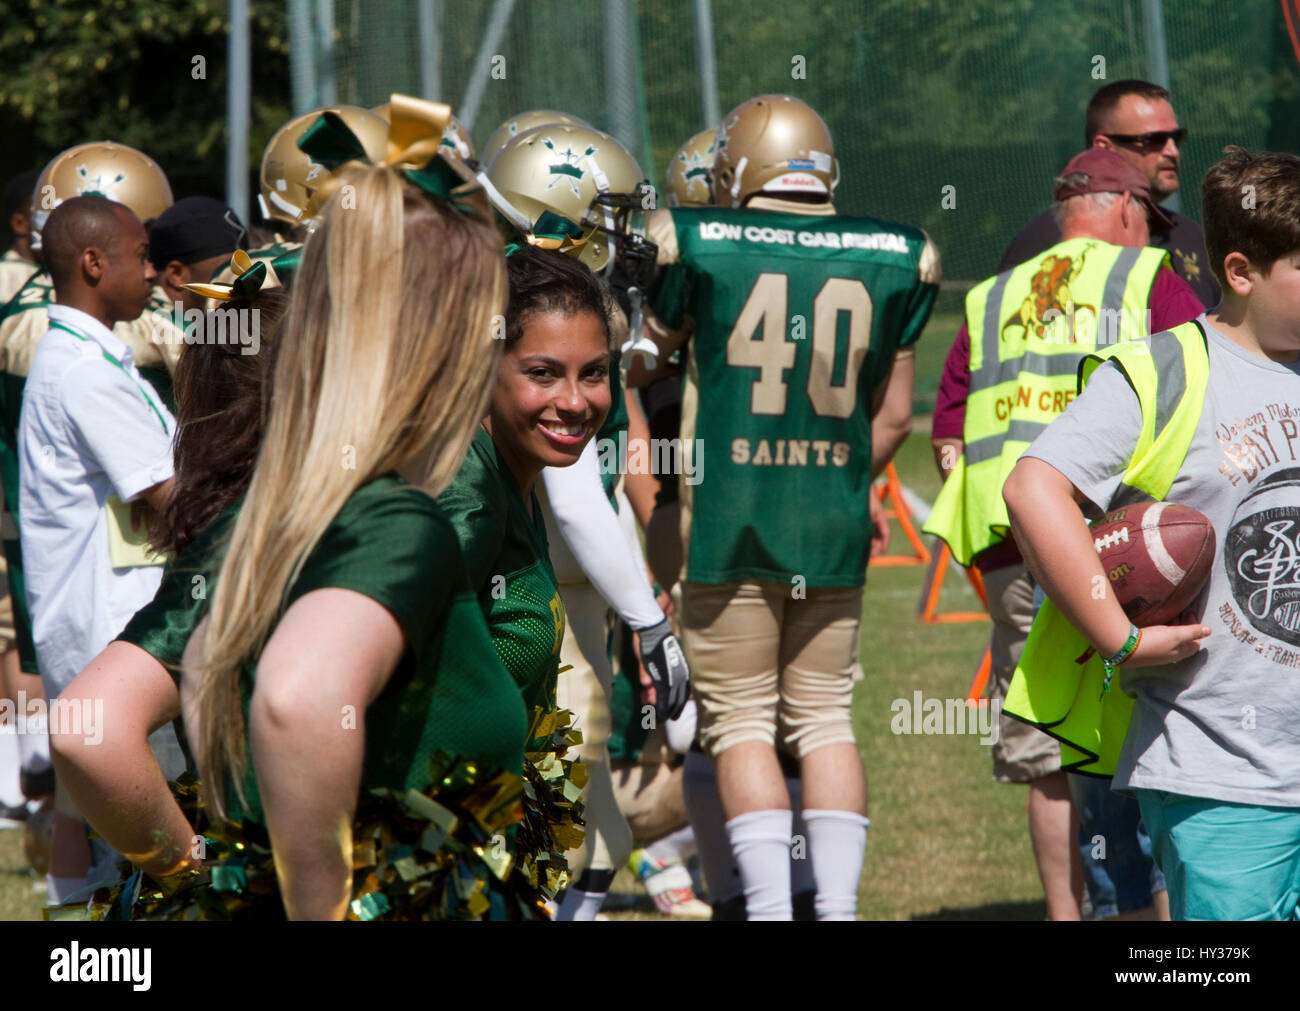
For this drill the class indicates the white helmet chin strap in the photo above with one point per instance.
(507, 210)
(735, 185)
(602, 186)
(602, 180)
(292, 210)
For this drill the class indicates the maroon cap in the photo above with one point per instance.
(1109, 172)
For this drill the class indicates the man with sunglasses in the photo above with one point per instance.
(1135, 119)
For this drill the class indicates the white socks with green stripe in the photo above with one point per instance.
(836, 842)
(760, 844)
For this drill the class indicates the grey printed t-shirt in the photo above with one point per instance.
(1225, 723)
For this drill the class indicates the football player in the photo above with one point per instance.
(687, 185)
(573, 189)
(798, 391)
(521, 123)
(289, 187)
(16, 268)
(687, 177)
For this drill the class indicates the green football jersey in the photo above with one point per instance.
(508, 559)
(796, 318)
(449, 693)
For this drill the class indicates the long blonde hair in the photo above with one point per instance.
(386, 351)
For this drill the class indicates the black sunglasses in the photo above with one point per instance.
(1154, 141)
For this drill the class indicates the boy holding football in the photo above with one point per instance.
(1205, 415)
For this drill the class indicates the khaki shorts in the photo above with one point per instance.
(766, 663)
(1022, 753)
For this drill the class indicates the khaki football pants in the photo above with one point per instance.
(765, 663)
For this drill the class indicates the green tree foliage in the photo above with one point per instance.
(985, 96)
(73, 71)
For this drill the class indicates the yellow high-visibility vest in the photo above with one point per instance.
(1051, 689)
(1029, 326)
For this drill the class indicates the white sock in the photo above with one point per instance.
(580, 905)
(673, 848)
(700, 791)
(11, 794)
(836, 842)
(760, 843)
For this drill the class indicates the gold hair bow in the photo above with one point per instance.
(249, 278)
(415, 130)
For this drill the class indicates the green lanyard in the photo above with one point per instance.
(56, 325)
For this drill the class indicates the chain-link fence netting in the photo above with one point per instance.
(984, 96)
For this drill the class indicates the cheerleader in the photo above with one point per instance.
(114, 776)
(366, 707)
(551, 396)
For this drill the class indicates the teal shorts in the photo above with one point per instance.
(1224, 861)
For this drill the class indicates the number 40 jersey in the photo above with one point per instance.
(795, 317)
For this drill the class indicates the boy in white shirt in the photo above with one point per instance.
(93, 435)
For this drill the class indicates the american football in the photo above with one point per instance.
(1157, 557)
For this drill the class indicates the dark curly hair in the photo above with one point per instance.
(544, 281)
(220, 393)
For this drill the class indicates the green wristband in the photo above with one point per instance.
(1125, 651)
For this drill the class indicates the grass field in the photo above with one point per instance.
(945, 841)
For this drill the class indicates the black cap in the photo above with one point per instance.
(194, 229)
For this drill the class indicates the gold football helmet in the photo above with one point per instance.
(516, 125)
(687, 180)
(579, 174)
(115, 171)
(773, 144)
(288, 176)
